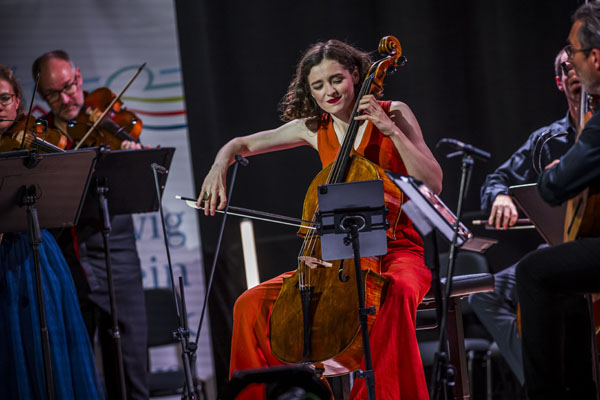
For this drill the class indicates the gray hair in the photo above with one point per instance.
(589, 33)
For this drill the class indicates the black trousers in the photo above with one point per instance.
(132, 326)
(556, 324)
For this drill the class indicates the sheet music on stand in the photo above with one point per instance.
(427, 211)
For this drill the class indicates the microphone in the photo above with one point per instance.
(466, 148)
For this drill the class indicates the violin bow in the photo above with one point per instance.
(37, 82)
(109, 107)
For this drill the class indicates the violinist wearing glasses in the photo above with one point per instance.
(60, 85)
(318, 109)
(73, 364)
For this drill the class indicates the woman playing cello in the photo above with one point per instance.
(318, 108)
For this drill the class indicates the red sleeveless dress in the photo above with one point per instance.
(394, 351)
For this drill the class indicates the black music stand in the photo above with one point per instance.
(429, 215)
(345, 210)
(55, 184)
(548, 220)
(122, 183)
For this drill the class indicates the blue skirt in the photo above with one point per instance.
(21, 357)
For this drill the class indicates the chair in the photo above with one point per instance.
(162, 321)
(471, 275)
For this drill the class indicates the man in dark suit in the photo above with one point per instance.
(551, 281)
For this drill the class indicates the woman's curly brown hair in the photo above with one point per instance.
(298, 101)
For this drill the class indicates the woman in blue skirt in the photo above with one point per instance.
(21, 357)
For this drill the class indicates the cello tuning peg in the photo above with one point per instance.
(402, 61)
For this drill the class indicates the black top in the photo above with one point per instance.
(577, 169)
(542, 147)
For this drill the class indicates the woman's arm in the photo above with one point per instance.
(292, 134)
(402, 127)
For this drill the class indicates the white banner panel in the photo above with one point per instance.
(108, 41)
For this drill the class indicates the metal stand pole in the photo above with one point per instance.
(35, 236)
(443, 373)
(115, 333)
(363, 312)
(182, 333)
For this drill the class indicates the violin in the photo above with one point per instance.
(118, 125)
(315, 317)
(37, 136)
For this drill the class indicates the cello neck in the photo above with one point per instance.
(341, 161)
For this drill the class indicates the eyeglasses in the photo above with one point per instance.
(6, 99)
(571, 51)
(69, 89)
(566, 67)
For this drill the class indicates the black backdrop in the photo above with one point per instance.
(478, 71)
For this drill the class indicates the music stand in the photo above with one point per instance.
(55, 184)
(123, 183)
(345, 210)
(429, 215)
(549, 221)
(130, 179)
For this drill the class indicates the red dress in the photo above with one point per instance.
(394, 350)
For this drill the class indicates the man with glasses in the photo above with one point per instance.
(551, 281)
(497, 310)
(60, 84)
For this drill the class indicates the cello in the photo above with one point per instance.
(315, 317)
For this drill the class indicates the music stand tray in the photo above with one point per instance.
(427, 211)
(363, 199)
(60, 181)
(548, 220)
(129, 177)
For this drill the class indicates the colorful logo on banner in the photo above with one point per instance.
(158, 113)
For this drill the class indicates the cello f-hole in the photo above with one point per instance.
(342, 275)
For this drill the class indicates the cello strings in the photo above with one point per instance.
(335, 175)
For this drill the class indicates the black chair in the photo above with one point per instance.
(161, 314)
(471, 275)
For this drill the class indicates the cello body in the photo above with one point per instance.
(335, 339)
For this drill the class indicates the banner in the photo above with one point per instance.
(108, 41)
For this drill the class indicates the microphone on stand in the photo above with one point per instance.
(466, 148)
